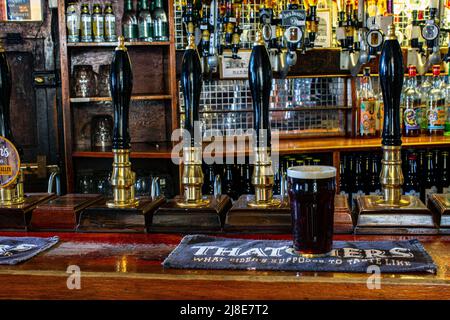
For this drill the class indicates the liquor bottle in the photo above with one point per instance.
(145, 22)
(229, 187)
(73, 23)
(436, 105)
(447, 106)
(366, 113)
(430, 185)
(129, 22)
(359, 185)
(343, 176)
(160, 25)
(98, 23)
(110, 24)
(424, 89)
(379, 110)
(208, 185)
(86, 23)
(445, 173)
(374, 185)
(411, 105)
(247, 186)
(411, 185)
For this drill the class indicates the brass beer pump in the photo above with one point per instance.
(262, 211)
(191, 212)
(15, 205)
(124, 212)
(392, 212)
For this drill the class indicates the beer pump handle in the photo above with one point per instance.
(391, 80)
(121, 85)
(5, 97)
(191, 86)
(260, 79)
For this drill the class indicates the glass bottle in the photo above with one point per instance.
(229, 187)
(247, 186)
(73, 23)
(160, 25)
(145, 22)
(447, 106)
(359, 185)
(366, 113)
(374, 185)
(411, 104)
(436, 105)
(208, 185)
(411, 185)
(129, 22)
(343, 174)
(98, 23)
(425, 88)
(110, 24)
(86, 23)
(445, 173)
(430, 182)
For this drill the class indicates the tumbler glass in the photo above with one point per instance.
(311, 195)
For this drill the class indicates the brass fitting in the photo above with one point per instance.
(263, 179)
(391, 177)
(13, 194)
(192, 178)
(122, 181)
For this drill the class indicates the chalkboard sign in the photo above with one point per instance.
(21, 10)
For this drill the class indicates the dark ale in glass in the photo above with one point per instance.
(311, 194)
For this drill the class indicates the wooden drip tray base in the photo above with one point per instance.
(173, 218)
(244, 219)
(414, 218)
(61, 213)
(439, 204)
(18, 216)
(100, 218)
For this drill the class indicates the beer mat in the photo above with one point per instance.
(18, 249)
(206, 252)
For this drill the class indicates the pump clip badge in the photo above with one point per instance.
(9, 162)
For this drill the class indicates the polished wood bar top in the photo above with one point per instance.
(128, 266)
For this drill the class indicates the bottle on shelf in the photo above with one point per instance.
(229, 187)
(343, 176)
(411, 185)
(373, 184)
(429, 185)
(246, 174)
(359, 185)
(425, 88)
(86, 23)
(208, 185)
(436, 105)
(98, 23)
(160, 24)
(447, 106)
(145, 22)
(411, 105)
(445, 173)
(129, 22)
(110, 23)
(72, 23)
(366, 108)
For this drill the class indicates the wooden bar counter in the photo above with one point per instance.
(126, 266)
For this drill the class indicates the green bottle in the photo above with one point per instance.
(145, 22)
(129, 22)
(160, 25)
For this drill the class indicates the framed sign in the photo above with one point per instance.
(21, 10)
(235, 68)
(324, 32)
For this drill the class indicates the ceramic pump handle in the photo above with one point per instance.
(391, 80)
(5, 97)
(121, 85)
(191, 86)
(260, 78)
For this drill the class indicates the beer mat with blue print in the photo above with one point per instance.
(18, 249)
(206, 252)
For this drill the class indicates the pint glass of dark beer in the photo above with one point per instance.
(311, 195)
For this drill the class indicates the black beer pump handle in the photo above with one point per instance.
(260, 79)
(191, 86)
(391, 81)
(121, 85)
(5, 97)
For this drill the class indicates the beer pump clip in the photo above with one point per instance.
(191, 211)
(16, 206)
(124, 212)
(428, 30)
(392, 212)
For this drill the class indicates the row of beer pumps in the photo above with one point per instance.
(289, 27)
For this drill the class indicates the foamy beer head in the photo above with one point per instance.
(311, 196)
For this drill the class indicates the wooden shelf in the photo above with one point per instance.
(138, 97)
(138, 151)
(114, 44)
